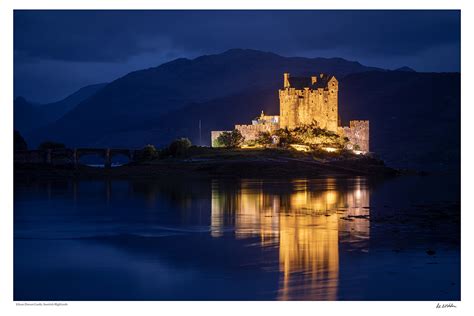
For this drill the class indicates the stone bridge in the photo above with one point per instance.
(72, 156)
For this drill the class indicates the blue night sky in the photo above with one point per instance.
(58, 52)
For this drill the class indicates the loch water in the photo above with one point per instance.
(237, 239)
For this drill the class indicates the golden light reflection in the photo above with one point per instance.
(307, 222)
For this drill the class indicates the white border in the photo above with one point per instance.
(8, 307)
(233, 4)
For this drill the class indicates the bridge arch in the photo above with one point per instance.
(107, 154)
(80, 153)
(121, 153)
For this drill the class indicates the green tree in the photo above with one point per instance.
(179, 147)
(147, 153)
(231, 139)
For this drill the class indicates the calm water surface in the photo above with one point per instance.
(188, 239)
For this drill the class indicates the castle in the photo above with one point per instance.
(303, 101)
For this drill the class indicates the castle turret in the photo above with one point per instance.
(332, 104)
(286, 80)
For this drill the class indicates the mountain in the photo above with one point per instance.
(218, 114)
(26, 116)
(59, 108)
(139, 99)
(414, 117)
(405, 68)
(29, 116)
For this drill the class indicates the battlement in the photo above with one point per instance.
(321, 81)
(355, 123)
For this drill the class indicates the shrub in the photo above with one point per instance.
(51, 145)
(216, 143)
(311, 135)
(147, 153)
(250, 143)
(230, 139)
(179, 147)
(286, 137)
(264, 139)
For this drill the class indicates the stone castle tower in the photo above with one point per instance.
(304, 100)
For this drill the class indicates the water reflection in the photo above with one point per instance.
(193, 239)
(307, 222)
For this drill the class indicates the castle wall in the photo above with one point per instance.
(251, 132)
(358, 134)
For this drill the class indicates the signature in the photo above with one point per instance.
(449, 305)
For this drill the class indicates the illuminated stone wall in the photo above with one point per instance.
(358, 134)
(251, 132)
(303, 106)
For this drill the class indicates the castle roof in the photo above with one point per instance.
(305, 82)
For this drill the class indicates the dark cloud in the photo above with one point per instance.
(123, 39)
